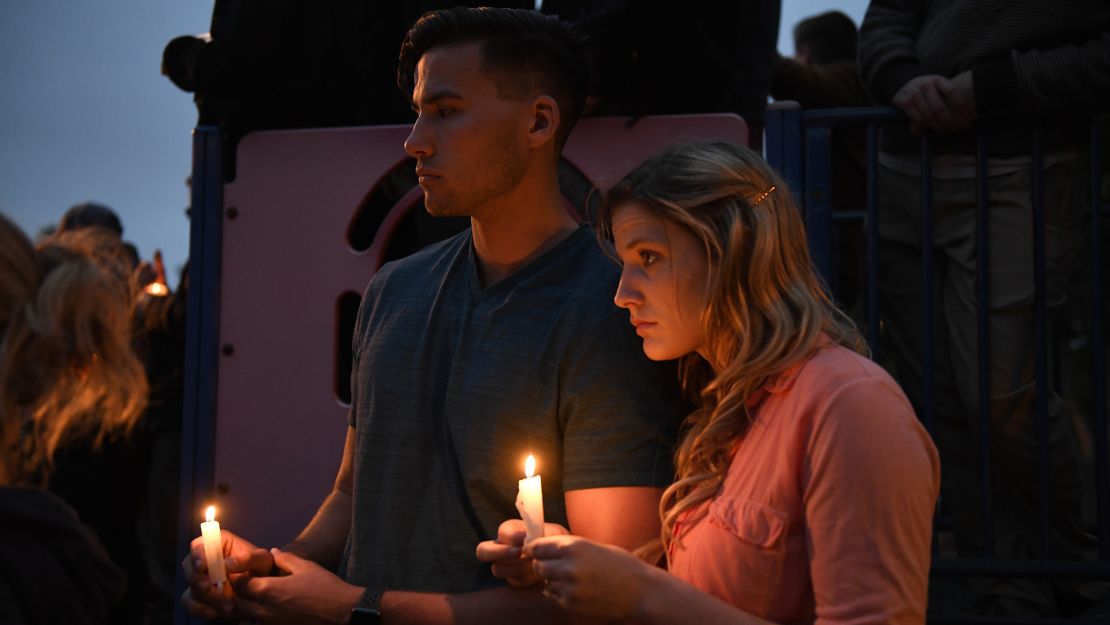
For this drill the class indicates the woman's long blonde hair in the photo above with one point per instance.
(66, 363)
(767, 308)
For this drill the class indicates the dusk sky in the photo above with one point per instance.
(87, 116)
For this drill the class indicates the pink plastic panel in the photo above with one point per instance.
(607, 148)
(286, 261)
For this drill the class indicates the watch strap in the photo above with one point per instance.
(368, 609)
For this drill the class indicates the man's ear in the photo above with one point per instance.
(545, 121)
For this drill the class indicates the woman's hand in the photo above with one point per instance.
(591, 578)
(504, 554)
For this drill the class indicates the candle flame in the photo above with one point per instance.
(530, 466)
(210, 514)
(157, 289)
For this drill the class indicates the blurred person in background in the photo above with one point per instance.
(67, 371)
(824, 74)
(961, 69)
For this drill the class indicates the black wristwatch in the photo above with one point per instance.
(367, 611)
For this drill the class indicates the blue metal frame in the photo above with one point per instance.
(818, 197)
(198, 426)
(784, 143)
(873, 237)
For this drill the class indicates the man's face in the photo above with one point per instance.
(470, 145)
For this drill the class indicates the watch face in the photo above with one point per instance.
(365, 616)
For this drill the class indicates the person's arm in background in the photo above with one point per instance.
(1070, 77)
(893, 72)
(887, 39)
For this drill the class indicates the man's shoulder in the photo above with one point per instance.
(429, 260)
(588, 278)
(591, 267)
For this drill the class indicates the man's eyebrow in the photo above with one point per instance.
(435, 97)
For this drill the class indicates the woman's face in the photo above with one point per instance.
(664, 281)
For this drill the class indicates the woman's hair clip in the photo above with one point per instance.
(763, 196)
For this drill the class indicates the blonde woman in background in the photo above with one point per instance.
(66, 370)
(805, 484)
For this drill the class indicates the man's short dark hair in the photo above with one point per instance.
(830, 37)
(526, 52)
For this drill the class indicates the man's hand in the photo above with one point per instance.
(305, 592)
(936, 103)
(963, 97)
(505, 553)
(241, 557)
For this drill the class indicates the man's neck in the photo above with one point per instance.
(521, 227)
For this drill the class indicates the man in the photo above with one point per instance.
(1005, 67)
(823, 72)
(471, 354)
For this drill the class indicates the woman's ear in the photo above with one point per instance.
(545, 121)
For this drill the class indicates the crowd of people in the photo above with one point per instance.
(86, 397)
(719, 446)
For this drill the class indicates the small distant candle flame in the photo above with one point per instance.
(530, 466)
(210, 514)
(157, 289)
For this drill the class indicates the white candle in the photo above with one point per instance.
(213, 548)
(529, 501)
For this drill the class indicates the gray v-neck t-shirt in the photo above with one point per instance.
(453, 385)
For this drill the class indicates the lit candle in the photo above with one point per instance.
(213, 548)
(157, 289)
(529, 501)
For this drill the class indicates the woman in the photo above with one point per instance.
(66, 370)
(805, 485)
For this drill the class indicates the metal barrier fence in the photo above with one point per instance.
(799, 145)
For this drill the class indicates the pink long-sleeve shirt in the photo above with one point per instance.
(825, 515)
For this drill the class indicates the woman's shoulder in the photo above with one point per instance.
(830, 370)
(836, 364)
(851, 390)
(850, 401)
